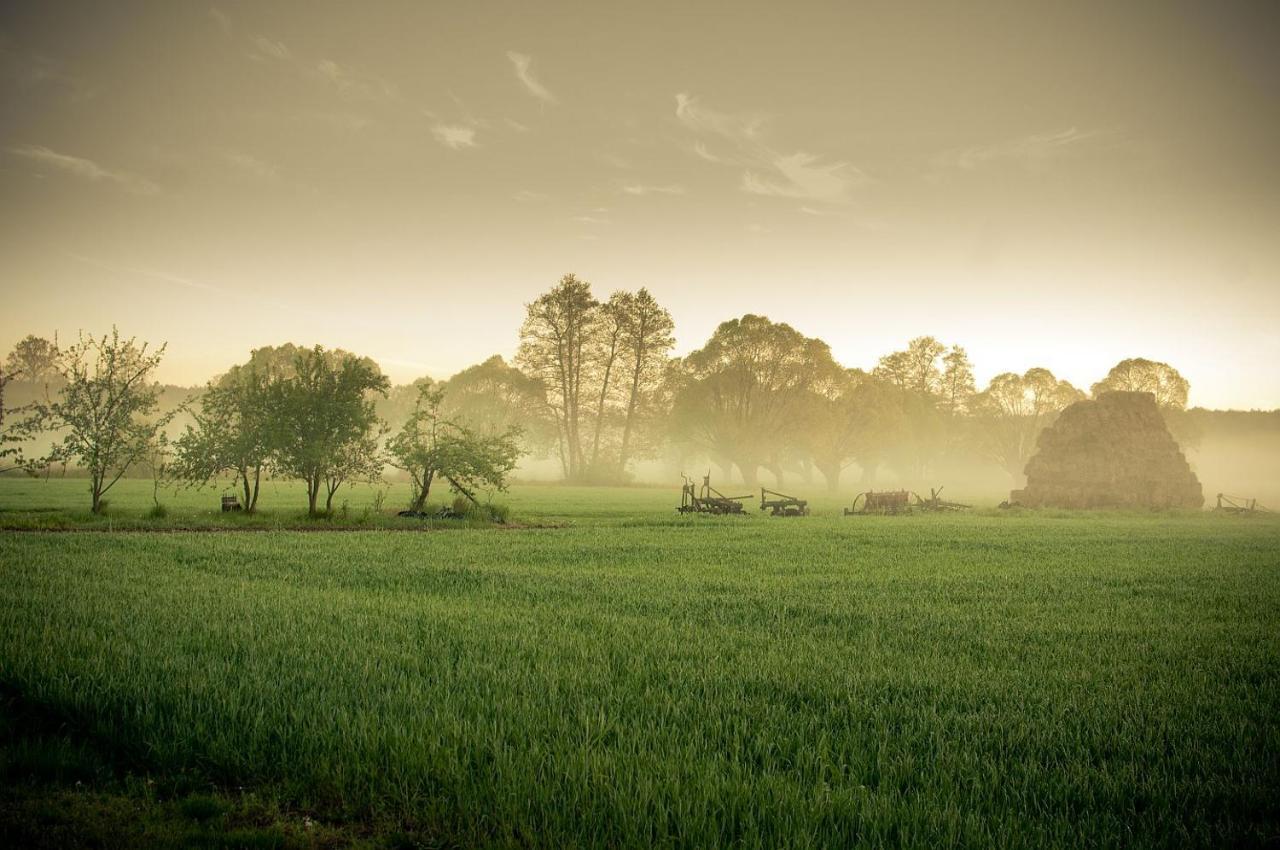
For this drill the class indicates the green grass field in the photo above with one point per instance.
(635, 678)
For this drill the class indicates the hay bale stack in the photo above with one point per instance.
(1113, 451)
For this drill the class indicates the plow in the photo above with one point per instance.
(1239, 505)
(707, 499)
(893, 502)
(782, 505)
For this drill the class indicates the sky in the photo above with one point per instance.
(1058, 185)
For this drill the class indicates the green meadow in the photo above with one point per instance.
(605, 672)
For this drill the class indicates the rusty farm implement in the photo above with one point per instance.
(707, 499)
(892, 502)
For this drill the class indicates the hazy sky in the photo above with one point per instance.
(1059, 185)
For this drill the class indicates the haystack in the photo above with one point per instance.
(1113, 451)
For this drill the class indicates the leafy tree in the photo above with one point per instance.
(1014, 409)
(430, 446)
(34, 359)
(494, 397)
(325, 427)
(555, 348)
(745, 388)
(1147, 376)
(103, 408)
(916, 368)
(233, 430)
(647, 338)
(849, 419)
(956, 387)
(606, 348)
(17, 425)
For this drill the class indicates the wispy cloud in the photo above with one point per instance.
(1032, 149)
(801, 175)
(265, 48)
(645, 189)
(222, 19)
(31, 69)
(252, 165)
(454, 136)
(613, 159)
(523, 65)
(153, 274)
(766, 170)
(86, 169)
(525, 196)
(355, 84)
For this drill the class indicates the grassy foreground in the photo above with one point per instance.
(643, 679)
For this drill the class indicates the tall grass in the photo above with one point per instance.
(642, 679)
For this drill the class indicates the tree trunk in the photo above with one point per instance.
(257, 487)
(831, 472)
(95, 487)
(424, 490)
(244, 488)
(750, 473)
(313, 493)
(631, 415)
(775, 469)
(604, 393)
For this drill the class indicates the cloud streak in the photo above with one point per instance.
(252, 165)
(765, 170)
(86, 169)
(523, 64)
(454, 136)
(644, 189)
(1031, 150)
(265, 48)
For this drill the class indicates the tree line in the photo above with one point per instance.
(594, 385)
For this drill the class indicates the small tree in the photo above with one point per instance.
(233, 432)
(34, 359)
(1138, 374)
(17, 425)
(325, 430)
(429, 446)
(105, 408)
(1010, 414)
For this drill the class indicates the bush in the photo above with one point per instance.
(158, 511)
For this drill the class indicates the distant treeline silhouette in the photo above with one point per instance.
(593, 386)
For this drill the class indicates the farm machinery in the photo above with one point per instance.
(707, 499)
(892, 502)
(1239, 505)
(781, 504)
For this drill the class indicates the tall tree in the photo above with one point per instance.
(17, 426)
(956, 387)
(431, 446)
(1138, 374)
(494, 397)
(607, 347)
(916, 368)
(848, 418)
(105, 409)
(1012, 411)
(233, 431)
(746, 387)
(326, 428)
(647, 338)
(33, 359)
(554, 348)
